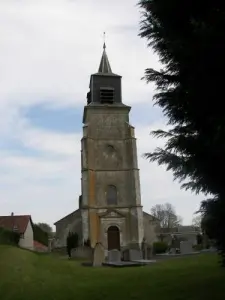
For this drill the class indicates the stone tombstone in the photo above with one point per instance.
(114, 256)
(175, 242)
(126, 255)
(50, 244)
(172, 251)
(149, 252)
(212, 249)
(186, 247)
(135, 254)
(99, 255)
(144, 249)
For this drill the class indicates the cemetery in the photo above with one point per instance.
(133, 256)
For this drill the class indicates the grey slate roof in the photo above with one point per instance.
(104, 66)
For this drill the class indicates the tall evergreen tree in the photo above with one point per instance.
(189, 37)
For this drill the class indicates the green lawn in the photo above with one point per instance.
(26, 275)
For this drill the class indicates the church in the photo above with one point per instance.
(110, 210)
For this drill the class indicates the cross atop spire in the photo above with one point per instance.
(104, 66)
(104, 45)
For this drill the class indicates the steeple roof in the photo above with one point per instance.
(104, 66)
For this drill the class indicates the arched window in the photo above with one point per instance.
(111, 195)
(110, 149)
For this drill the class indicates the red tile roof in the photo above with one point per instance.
(38, 245)
(10, 222)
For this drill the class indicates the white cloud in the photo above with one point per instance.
(65, 144)
(48, 49)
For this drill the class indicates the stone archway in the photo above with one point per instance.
(113, 235)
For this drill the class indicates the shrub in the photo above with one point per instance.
(71, 242)
(199, 239)
(198, 247)
(9, 237)
(160, 247)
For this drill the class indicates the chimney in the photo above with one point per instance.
(12, 214)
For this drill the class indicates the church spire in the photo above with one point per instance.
(104, 66)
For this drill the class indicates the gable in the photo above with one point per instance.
(150, 217)
(111, 213)
(69, 218)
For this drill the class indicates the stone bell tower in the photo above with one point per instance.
(111, 202)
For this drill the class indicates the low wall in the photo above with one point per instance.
(59, 250)
(82, 252)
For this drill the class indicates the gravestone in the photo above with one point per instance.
(149, 252)
(50, 244)
(99, 255)
(135, 254)
(186, 247)
(114, 256)
(212, 249)
(175, 242)
(106, 252)
(172, 251)
(144, 249)
(126, 255)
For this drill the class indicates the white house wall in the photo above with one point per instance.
(28, 240)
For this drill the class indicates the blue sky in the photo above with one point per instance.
(48, 50)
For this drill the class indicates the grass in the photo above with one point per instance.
(26, 275)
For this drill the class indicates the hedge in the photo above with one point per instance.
(159, 247)
(9, 237)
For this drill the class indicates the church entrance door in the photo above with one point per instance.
(113, 238)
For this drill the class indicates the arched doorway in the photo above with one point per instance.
(113, 238)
